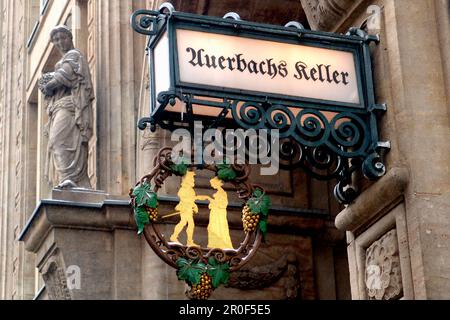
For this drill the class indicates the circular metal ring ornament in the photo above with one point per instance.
(203, 269)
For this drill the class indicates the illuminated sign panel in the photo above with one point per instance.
(263, 66)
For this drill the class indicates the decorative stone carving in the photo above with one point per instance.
(261, 277)
(55, 279)
(69, 94)
(383, 275)
(324, 14)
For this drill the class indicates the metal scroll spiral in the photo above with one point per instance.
(316, 141)
(326, 145)
(145, 22)
(170, 252)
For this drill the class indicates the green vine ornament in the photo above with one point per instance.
(145, 205)
(256, 212)
(203, 278)
(226, 173)
(202, 271)
(180, 168)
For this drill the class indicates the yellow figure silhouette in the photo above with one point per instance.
(186, 208)
(218, 231)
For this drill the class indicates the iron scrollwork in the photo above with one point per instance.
(145, 22)
(326, 144)
(218, 255)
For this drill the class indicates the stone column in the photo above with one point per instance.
(424, 128)
(118, 70)
(399, 227)
(443, 24)
(13, 150)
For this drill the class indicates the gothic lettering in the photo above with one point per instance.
(221, 61)
(282, 69)
(253, 67)
(230, 63)
(301, 71)
(320, 72)
(344, 78)
(272, 68)
(211, 62)
(241, 64)
(261, 68)
(325, 73)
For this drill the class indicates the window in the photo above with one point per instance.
(36, 9)
(43, 6)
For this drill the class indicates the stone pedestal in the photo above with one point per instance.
(86, 246)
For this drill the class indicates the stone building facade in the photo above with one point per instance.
(390, 243)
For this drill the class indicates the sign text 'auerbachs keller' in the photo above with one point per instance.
(256, 65)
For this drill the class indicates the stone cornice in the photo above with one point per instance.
(110, 214)
(379, 198)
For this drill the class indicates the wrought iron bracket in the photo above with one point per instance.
(326, 148)
(367, 38)
(328, 140)
(146, 22)
(142, 124)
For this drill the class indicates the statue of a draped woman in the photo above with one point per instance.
(69, 94)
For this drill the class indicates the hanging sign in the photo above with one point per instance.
(315, 88)
(203, 266)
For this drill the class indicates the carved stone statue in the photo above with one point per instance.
(68, 94)
(325, 14)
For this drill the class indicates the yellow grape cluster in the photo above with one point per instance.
(152, 213)
(204, 289)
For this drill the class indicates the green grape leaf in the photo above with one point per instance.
(258, 193)
(220, 273)
(227, 174)
(190, 271)
(145, 196)
(180, 168)
(266, 203)
(260, 203)
(224, 165)
(263, 228)
(142, 219)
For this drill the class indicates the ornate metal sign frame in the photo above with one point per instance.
(326, 147)
(193, 258)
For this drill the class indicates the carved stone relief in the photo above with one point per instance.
(55, 279)
(383, 275)
(324, 14)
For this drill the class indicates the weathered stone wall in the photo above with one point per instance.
(410, 205)
(15, 165)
